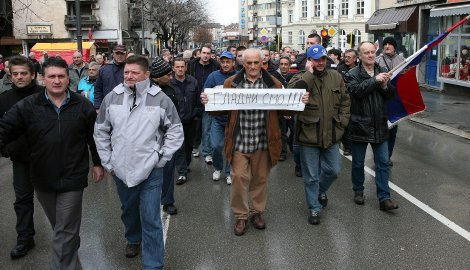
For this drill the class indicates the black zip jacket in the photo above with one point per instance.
(17, 149)
(58, 142)
(189, 101)
(368, 121)
(200, 72)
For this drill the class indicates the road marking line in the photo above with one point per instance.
(456, 228)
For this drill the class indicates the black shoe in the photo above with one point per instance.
(282, 157)
(390, 163)
(347, 152)
(323, 200)
(22, 248)
(314, 218)
(359, 197)
(298, 171)
(170, 209)
(181, 180)
(388, 205)
(132, 250)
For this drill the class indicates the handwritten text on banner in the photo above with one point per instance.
(222, 99)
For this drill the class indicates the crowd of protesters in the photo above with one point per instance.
(143, 121)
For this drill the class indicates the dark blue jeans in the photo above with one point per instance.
(320, 168)
(140, 207)
(217, 141)
(183, 155)
(381, 159)
(392, 136)
(206, 134)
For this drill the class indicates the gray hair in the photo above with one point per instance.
(260, 53)
(92, 64)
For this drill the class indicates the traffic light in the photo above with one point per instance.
(278, 42)
(325, 37)
(351, 39)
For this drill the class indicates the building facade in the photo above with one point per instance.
(56, 21)
(264, 21)
(342, 18)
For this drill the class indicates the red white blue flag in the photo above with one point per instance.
(408, 99)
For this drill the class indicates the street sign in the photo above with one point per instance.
(332, 31)
(263, 31)
(264, 38)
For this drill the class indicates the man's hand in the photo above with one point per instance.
(383, 79)
(204, 98)
(309, 67)
(305, 97)
(97, 173)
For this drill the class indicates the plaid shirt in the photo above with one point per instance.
(252, 135)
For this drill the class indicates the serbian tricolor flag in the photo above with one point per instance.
(408, 99)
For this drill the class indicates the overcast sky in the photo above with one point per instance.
(223, 11)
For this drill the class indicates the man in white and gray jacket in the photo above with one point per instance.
(136, 132)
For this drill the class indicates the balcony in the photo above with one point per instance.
(87, 21)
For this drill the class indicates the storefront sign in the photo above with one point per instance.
(221, 99)
(39, 29)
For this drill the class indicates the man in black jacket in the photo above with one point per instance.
(161, 75)
(23, 77)
(369, 88)
(57, 125)
(110, 75)
(200, 68)
(190, 108)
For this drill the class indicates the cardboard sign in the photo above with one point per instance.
(222, 99)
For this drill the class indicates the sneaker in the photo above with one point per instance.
(323, 200)
(314, 218)
(195, 153)
(347, 152)
(215, 175)
(282, 157)
(132, 250)
(208, 160)
(181, 180)
(229, 180)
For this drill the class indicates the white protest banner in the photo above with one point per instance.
(222, 99)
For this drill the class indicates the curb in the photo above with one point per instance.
(451, 130)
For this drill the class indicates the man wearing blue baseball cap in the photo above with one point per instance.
(216, 79)
(319, 129)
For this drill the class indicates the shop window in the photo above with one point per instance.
(448, 53)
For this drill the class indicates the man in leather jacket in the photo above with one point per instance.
(369, 88)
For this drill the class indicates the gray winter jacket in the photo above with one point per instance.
(134, 136)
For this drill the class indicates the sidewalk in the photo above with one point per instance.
(446, 112)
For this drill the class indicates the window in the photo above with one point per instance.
(454, 52)
(289, 15)
(360, 7)
(304, 9)
(357, 36)
(344, 7)
(301, 37)
(316, 8)
(289, 37)
(331, 7)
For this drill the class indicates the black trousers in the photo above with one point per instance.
(183, 155)
(24, 202)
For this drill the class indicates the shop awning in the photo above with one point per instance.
(128, 34)
(403, 19)
(63, 46)
(450, 10)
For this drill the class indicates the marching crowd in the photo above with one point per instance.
(141, 121)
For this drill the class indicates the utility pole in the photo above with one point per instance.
(79, 26)
(142, 15)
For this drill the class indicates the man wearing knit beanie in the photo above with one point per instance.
(390, 59)
(161, 75)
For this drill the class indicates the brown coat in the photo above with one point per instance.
(233, 125)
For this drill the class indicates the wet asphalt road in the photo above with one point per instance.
(430, 165)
